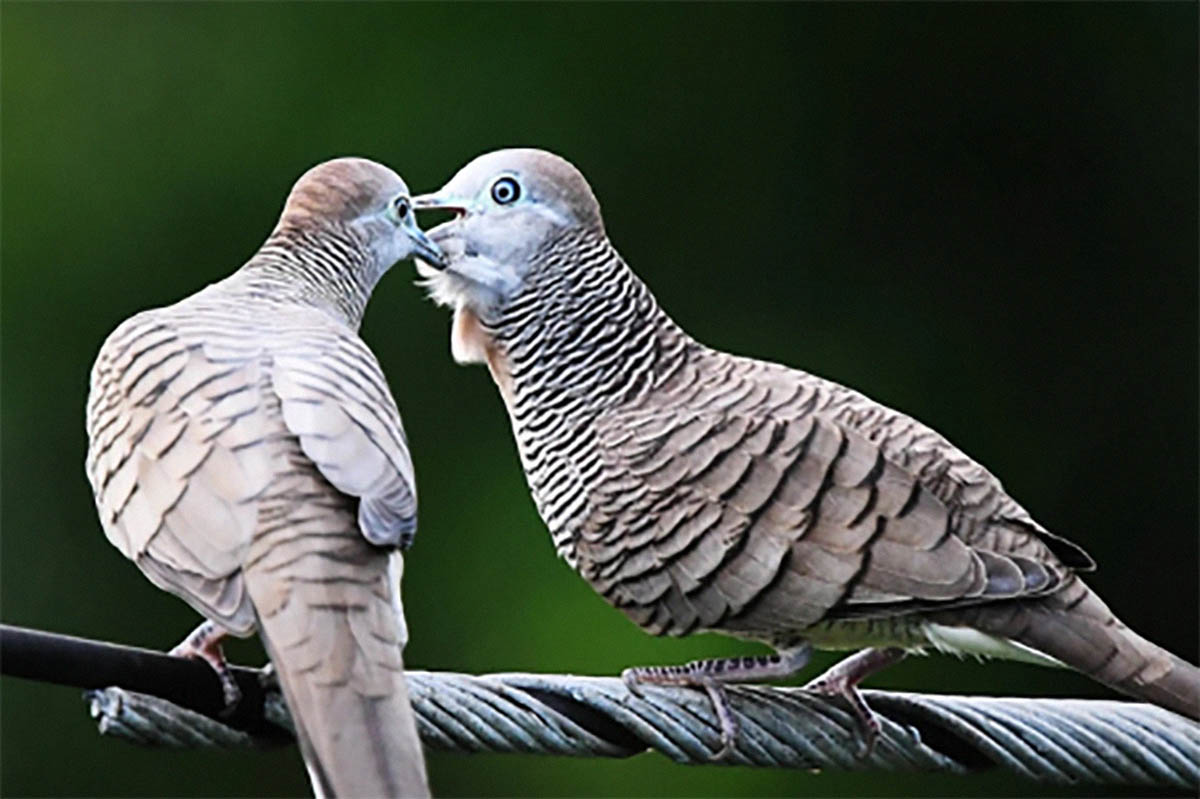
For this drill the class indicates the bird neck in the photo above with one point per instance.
(330, 269)
(576, 341)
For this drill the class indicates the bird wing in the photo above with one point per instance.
(335, 399)
(733, 499)
(172, 460)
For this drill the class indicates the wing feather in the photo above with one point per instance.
(169, 463)
(768, 507)
(348, 424)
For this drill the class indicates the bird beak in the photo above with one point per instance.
(423, 248)
(437, 201)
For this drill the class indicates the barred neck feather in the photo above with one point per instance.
(584, 335)
(585, 332)
(328, 268)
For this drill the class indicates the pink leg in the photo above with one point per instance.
(842, 680)
(204, 643)
(711, 676)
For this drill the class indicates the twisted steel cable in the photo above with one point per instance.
(1061, 741)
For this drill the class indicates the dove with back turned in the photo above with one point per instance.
(701, 491)
(246, 453)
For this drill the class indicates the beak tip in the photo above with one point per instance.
(432, 255)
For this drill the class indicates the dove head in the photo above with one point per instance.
(511, 207)
(362, 202)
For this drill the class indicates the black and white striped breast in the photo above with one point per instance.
(583, 336)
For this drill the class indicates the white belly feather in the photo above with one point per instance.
(963, 641)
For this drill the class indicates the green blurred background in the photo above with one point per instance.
(983, 215)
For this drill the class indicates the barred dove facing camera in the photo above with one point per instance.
(246, 453)
(697, 490)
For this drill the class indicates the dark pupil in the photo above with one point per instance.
(401, 208)
(505, 190)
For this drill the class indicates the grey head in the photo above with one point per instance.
(511, 206)
(361, 202)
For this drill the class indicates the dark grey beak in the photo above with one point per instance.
(423, 248)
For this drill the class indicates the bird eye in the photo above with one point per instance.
(401, 207)
(506, 190)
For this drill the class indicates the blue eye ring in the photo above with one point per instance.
(401, 207)
(506, 190)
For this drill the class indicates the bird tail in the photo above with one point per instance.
(332, 626)
(1075, 627)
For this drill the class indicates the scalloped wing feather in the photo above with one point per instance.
(348, 424)
(170, 462)
(743, 515)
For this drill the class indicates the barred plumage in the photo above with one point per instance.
(697, 490)
(246, 453)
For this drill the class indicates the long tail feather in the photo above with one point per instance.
(1076, 627)
(334, 635)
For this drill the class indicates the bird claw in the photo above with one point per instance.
(864, 718)
(204, 643)
(691, 675)
(729, 724)
(843, 679)
(713, 674)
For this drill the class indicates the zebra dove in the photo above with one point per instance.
(246, 453)
(700, 491)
